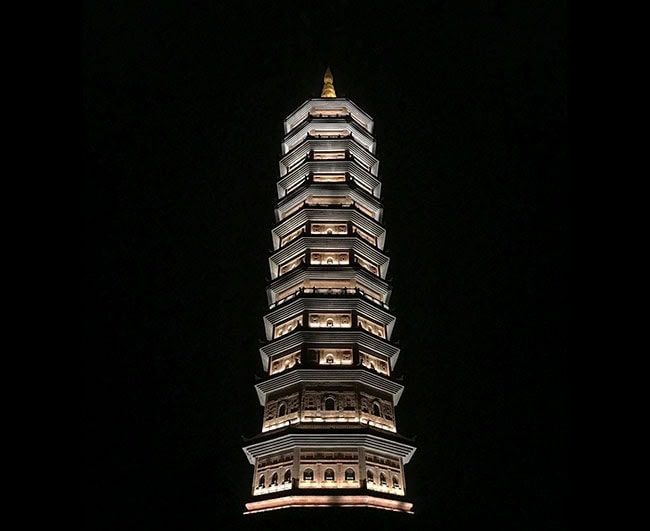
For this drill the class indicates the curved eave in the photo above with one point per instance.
(355, 195)
(300, 114)
(296, 176)
(325, 304)
(354, 192)
(365, 377)
(327, 242)
(334, 499)
(358, 274)
(298, 154)
(341, 336)
(328, 215)
(328, 124)
(290, 441)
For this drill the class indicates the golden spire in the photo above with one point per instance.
(328, 85)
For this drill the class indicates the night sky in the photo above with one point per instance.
(182, 110)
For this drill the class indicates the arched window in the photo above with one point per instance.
(329, 231)
(329, 475)
(308, 474)
(382, 479)
(330, 261)
(261, 483)
(376, 410)
(282, 410)
(370, 476)
(395, 482)
(330, 404)
(287, 476)
(330, 323)
(349, 475)
(274, 479)
(329, 359)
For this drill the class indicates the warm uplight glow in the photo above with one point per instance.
(375, 363)
(330, 320)
(287, 326)
(271, 488)
(328, 200)
(328, 85)
(286, 502)
(284, 362)
(328, 228)
(367, 265)
(292, 210)
(371, 326)
(329, 435)
(366, 211)
(328, 356)
(370, 239)
(291, 236)
(329, 288)
(329, 258)
(292, 264)
(326, 178)
(341, 133)
(332, 113)
(328, 155)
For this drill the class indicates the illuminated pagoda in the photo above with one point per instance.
(329, 434)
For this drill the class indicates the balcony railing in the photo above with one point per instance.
(349, 178)
(304, 263)
(354, 232)
(329, 292)
(346, 117)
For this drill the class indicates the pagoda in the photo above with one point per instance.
(329, 433)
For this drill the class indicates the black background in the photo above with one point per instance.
(182, 109)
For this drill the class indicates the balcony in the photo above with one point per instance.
(294, 178)
(329, 109)
(338, 195)
(326, 149)
(329, 292)
(326, 260)
(348, 178)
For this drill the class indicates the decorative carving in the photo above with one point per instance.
(330, 320)
(374, 363)
(285, 362)
(332, 258)
(287, 326)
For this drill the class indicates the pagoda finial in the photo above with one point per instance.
(328, 85)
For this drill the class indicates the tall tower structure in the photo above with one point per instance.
(329, 434)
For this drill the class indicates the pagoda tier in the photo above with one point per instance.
(302, 222)
(333, 195)
(327, 249)
(331, 171)
(330, 108)
(326, 149)
(364, 377)
(315, 310)
(357, 340)
(329, 432)
(327, 127)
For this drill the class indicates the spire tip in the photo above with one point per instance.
(328, 85)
